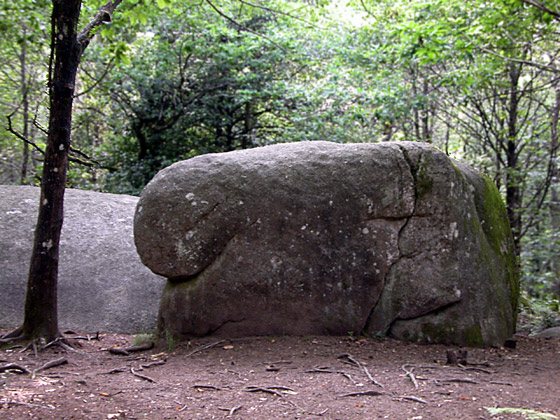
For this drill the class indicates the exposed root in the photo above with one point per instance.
(12, 336)
(36, 344)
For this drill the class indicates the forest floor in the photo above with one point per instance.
(281, 378)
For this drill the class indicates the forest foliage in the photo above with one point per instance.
(166, 80)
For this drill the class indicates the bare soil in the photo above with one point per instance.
(281, 378)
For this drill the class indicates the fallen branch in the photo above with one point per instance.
(46, 407)
(183, 408)
(231, 411)
(14, 367)
(476, 369)
(215, 388)
(152, 364)
(361, 366)
(456, 380)
(272, 390)
(410, 398)
(207, 346)
(501, 383)
(146, 378)
(112, 371)
(410, 375)
(278, 362)
(326, 370)
(363, 393)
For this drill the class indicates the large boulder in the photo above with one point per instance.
(322, 238)
(102, 284)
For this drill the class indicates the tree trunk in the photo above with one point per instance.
(555, 191)
(25, 116)
(513, 181)
(41, 319)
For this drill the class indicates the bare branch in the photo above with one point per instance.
(110, 66)
(540, 6)
(242, 27)
(551, 69)
(102, 16)
(11, 129)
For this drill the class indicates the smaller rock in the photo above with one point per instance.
(102, 285)
(553, 332)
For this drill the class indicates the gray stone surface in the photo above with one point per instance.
(553, 332)
(103, 286)
(324, 238)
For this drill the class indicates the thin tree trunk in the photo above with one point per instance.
(41, 318)
(555, 190)
(25, 116)
(513, 181)
(67, 46)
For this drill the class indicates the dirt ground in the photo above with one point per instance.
(281, 378)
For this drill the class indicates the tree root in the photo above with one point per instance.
(36, 343)
(12, 336)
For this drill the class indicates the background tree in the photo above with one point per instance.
(23, 60)
(67, 47)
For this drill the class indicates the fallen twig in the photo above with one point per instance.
(215, 388)
(348, 359)
(360, 365)
(410, 375)
(272, 390)
(14, 367)
(501, 383)
(231, 411)
(456, 380)
(327, 370)
(146, 378)
(207, 346)
(26, 404)
(362, 393)
(183, 408)
(278, 362)
(410, 398)
(475, 369)
(152, 364)
(112, 371)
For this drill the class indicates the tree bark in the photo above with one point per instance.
(25, 112)
(41, 319)
(67, 46)
(555, 191)
(513, 181)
